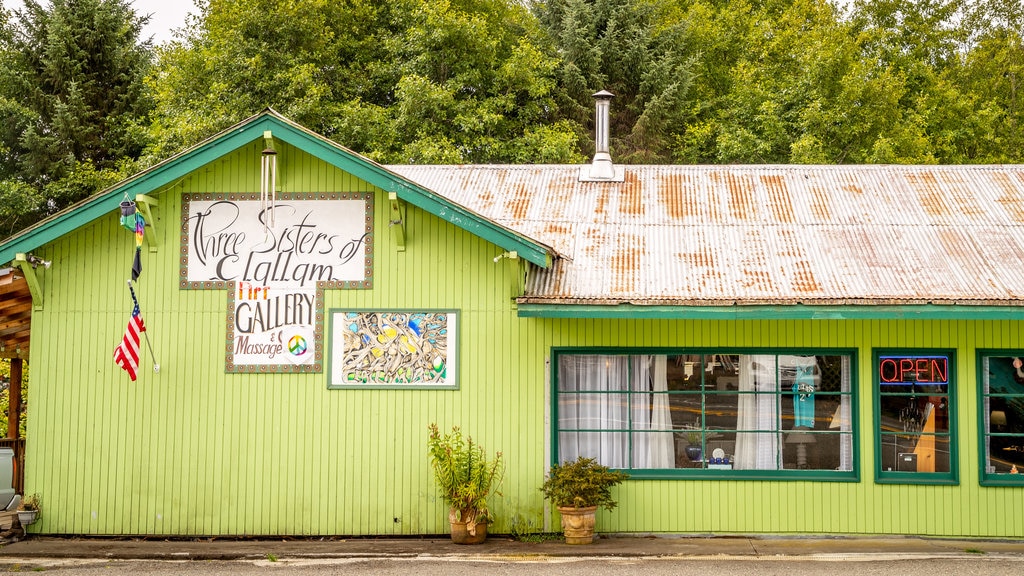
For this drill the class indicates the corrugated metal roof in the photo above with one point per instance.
(718, 235)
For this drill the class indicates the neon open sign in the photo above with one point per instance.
(914, 369)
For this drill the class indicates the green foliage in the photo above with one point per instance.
(411, 81)
(641, 51)
(5, 386)
(581, 483)
(71, 98)
(526, 531)
(31, 502)
(464, 475)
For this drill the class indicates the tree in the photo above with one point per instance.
(72, 101)
(888, 81)
(639, 50)
(404, 81)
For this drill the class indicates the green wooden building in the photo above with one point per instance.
(765, 349)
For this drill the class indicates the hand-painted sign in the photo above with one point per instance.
(272, 326)
(393, 348)
(299, 241)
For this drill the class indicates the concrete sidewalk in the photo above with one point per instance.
(499, 547)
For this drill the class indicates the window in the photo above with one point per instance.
(1002, 417)
(915, 440)
(700, 414)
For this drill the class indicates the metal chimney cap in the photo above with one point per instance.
(601, 168)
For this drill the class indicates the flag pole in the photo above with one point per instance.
(156, 365)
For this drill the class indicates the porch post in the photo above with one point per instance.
(14, 400)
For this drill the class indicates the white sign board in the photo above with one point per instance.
(298, 241)
(274, 326)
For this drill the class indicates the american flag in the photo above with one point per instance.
(126, 354)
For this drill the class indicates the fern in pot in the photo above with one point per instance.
(465, 477)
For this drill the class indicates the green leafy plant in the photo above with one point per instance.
(464, 475)
(581, 483)
(30, 503)
(693, 437)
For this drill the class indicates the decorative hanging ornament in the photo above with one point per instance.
(133, 221)
(268, 187)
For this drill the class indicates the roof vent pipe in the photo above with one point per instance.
(601, 168)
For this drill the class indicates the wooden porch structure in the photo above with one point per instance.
(15, 323)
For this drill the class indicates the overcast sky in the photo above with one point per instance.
(166, 15)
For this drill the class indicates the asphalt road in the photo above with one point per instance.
(788, 566)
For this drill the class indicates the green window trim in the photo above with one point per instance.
(844, 358)
(888, 472)
(988, 475)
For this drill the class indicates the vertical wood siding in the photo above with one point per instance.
(192, 450)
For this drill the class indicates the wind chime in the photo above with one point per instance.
(268, 187)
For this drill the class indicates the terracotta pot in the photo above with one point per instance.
(461, 535)
(578, 524)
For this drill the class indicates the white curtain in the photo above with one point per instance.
(582, 415)
(757, 412)
(592, 412)
(846, 439)
(651, 412)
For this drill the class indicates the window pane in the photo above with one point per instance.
(805, 450)
(608, 448)
(720, 411)
(912, 388)
(657, 450)
(592, 372)
(915, 453)
(1006, 454)
(755, 451)
(651, 412)
(593, 411)
(685, 410)
(1003, 414)
(685, 372)
(914, 414)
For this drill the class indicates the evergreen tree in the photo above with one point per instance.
(640, 51)
(73, 103)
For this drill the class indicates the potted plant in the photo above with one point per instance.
(694, 450)
(465, 477)
(28, 511)
(577, 488)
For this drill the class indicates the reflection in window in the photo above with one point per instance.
(706, 411)
(1003, 416)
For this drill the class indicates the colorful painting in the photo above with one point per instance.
(393, 349)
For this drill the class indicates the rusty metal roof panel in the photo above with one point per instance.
(759, 234)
